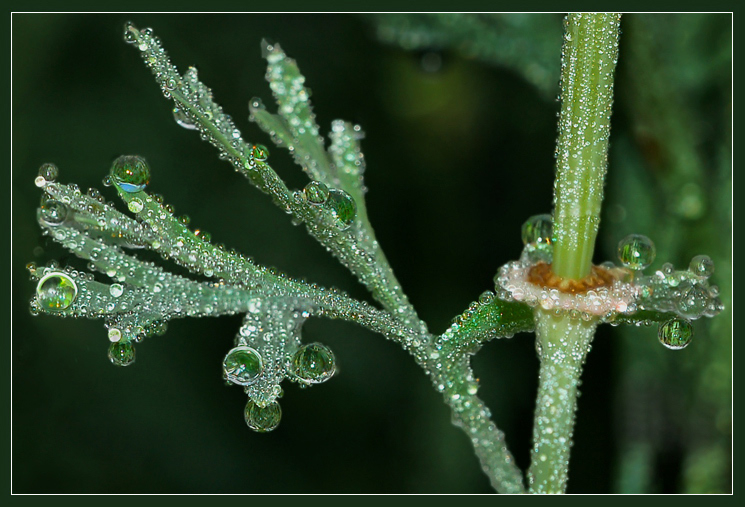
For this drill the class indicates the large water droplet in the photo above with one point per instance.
(262, 419)
(56, 291)
(314, 363)
(242, 365)
(342, 208)
(131, 173)
(675, 334)
(538, 229)
(122, 353)
(49, 172)
(53, 212)
(702, 266)
(636, 251)
(182, 119)
(316, 192)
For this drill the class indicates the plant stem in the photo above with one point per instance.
(563, 345)
(588, 63)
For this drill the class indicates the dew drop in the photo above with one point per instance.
(56, 291)
(636, 251)
(262, 419)
(115, 335)
(256, 104)
(693, 299)
(135, 205)
(242, 366)
(314, 363)
(342, 208)
(49, 172)
(121, 353)
(675, 334)
(182, 119)
(129, 37)
(702, 266)
(538, 229)
(259, 152)
(316, 192)
(131, 173)
(53, 212)
(116, 290)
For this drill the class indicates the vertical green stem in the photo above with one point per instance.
(562, 345)
(588, 63)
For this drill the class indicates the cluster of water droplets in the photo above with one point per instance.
(682, 295)
(267, 351)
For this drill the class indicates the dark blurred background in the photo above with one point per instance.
(459, 149)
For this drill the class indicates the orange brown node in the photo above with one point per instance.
(541, 275)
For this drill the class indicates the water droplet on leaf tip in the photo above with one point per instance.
(49, 172)
(130, 172)
(262, 419)
(122, 353)
(256, 104)
(53, 212)
(56, 291)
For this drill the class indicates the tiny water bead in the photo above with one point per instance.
(262, 419)
(114, 334)
(702, 266)
(316, 192)
(242, 365)
(259, 152)
(183, 119)
(675, 334)
(53, 212)
(131, 173)
(256, 104)
(314, 363)
(121, 352)
(636, 251)
(56, 291)
(116, 290)
(342, 207)
(538, 229)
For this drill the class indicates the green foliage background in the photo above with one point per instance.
(457, 159)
